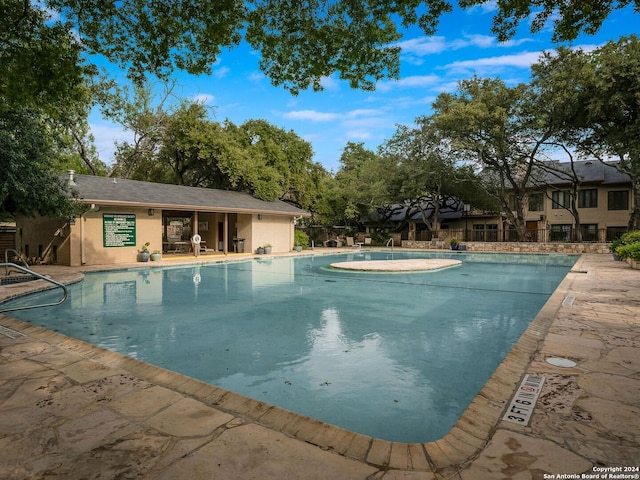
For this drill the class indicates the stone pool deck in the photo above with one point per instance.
(74, 411)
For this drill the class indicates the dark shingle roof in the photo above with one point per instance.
(589, 171)
(112, 191)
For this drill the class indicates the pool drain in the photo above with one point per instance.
(561, 362)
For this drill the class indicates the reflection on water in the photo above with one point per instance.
(395, 356)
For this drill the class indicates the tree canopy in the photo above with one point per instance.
(43, 95)
(299, 42)
(594, 98)
(24, 140)
(47, 79)
(180, 144)
(501, 131)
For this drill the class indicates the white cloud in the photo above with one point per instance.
(360, 134)
(204, 98)
(496, 63)
(407, 102)
(423, 46)
(356, 120)
(486, 7)
(362, 112)
(330, 83)
(311, 115)
(416, 81)
(105, 136)
(587, 47)
(221, 72)
(368, 123)
(256, 77)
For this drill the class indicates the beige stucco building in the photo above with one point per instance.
(120, 216)
(604, 201)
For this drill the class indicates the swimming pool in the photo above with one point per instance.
(395, 356)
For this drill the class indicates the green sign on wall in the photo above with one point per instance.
(119, 229)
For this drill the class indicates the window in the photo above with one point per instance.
(588, 198)
(560, 233)
(536, 202)
(589, 232)
(560, 199)
(615, 232)
(485, 233)
(618, 200)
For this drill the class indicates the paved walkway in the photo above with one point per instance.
(74, 411)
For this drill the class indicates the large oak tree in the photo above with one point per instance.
(594, 99)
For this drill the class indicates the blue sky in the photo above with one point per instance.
(463, 45)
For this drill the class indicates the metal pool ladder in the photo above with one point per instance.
(6, 259)
(28, 271)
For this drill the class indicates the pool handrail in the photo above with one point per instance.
(42, 277)
(390, 241)
(17, 255)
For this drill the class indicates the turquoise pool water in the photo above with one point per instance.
(395, 356)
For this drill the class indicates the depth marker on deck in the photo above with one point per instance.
(10, 333)
(524, 401)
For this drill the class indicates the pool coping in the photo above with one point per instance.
(458, 448)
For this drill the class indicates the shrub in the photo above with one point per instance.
(615, 244)
(628, 246)
(630, 237)
(631, 251)
(300, 239)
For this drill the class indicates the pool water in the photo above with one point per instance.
(395, 356)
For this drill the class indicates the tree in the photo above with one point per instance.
(597, 104)
(362, 183)
(570, 18)
(299, 42)
(498, 129)
(44, 100)
(25, 139)
(178, 143)
(430, 176)
(614, 111)
(30, 37)
(43, 103)
(288, 157)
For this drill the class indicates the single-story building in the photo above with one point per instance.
(123, 215)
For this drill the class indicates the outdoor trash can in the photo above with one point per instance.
(238, 245)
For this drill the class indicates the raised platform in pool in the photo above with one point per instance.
(410, 265)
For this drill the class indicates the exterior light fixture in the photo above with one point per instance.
(71, 219)
(259, 216)
(151, 212)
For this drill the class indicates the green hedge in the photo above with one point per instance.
(630, 245)
(630, 237)
(631, 251)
